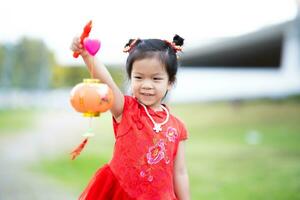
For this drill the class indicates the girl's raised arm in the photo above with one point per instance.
(100, 71)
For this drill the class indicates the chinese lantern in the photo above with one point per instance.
(90, 97)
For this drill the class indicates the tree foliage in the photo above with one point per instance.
(69, 76)
(26, 64)
(29, 64)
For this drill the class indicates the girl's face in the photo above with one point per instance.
(149, 81)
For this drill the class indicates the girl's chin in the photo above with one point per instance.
(146, 101)
(151, 104)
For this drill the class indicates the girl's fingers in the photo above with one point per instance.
(72, 47)
(75, 46)
(77, 41)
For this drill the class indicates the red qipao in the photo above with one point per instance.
(142, 163)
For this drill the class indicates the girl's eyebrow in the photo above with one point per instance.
(137, 73)
(156, 74)
(159, 74)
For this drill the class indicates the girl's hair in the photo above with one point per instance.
(164, 50)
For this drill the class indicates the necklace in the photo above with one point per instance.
(157, 126)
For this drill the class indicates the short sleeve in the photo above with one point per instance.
(183, 135)
(124, 125)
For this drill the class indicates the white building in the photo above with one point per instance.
(265, 63)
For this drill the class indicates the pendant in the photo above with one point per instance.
(157, 128)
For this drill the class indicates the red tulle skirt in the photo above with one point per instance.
(104, 186)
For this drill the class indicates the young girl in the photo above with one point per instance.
(148, 161)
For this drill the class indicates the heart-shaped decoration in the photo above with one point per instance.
(92, 46)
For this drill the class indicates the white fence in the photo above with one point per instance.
(56, 99)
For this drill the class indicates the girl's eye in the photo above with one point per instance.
(137, 77)
(157, 78)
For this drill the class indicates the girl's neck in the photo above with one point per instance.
(157, 127)
(156, 108)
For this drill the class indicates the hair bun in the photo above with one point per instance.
(177, 40)
(130, 45)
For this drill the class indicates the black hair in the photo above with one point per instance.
(165, 51)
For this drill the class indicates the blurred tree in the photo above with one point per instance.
(32, 63)
(118, 73)
(69, 76)
(29, 64)
(2, 55)
(6, 65)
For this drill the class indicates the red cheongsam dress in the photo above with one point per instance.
(142, 163)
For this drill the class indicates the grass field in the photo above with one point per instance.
(244, 151)
(16, 120)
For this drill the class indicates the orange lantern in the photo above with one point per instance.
(91, 97)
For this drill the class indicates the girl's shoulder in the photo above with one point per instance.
(179, 121)
(130, 102)
(181, 127)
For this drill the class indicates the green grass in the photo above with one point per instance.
(221, 163)
(74, 174)
(16, 120)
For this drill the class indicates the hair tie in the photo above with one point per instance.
(174, 46)
(128, 47)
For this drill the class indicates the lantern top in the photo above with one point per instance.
(91, 80)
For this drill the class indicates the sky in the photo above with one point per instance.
(114, 22)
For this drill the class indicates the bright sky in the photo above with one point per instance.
(114, 22)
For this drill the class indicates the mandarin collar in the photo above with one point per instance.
(160, 114)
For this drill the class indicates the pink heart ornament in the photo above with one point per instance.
(92, 46)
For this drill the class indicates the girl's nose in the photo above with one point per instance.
(147, 85)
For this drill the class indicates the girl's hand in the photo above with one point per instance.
(76, 46)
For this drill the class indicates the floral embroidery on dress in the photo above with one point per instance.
(156, 153)
(171, 134)
(147, 173)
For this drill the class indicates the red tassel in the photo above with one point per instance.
(78, 149)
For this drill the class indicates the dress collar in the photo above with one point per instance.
(160, 114)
